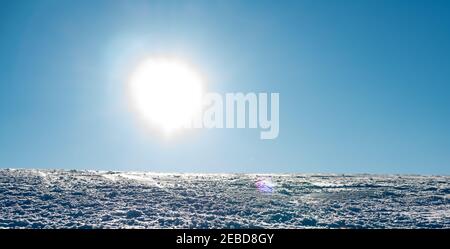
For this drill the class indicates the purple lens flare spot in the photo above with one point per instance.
(265, 185)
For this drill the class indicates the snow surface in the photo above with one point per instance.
(94, 199)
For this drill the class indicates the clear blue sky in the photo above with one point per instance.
(364, 85)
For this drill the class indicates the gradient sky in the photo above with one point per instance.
(364, 85)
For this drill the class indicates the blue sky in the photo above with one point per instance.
(364, 85)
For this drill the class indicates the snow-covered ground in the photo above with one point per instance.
(92, 199)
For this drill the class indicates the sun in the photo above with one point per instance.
(167, 93)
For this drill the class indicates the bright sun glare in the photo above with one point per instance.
(166, 93)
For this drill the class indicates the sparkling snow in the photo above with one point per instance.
(93, 199)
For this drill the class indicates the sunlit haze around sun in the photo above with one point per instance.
(166, 93)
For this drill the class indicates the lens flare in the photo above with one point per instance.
(265, 185)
